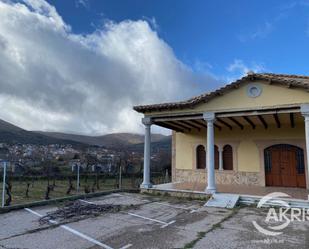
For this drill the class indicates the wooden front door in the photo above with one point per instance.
(284, 166)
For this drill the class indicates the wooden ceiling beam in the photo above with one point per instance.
(260, 117)
(218, 126)
(249, 121)
(276, 117)
(174, 123)
(225, 123)
(188, 122)
(169, 126)
(292, 120)
(236, 122)
(197, 122)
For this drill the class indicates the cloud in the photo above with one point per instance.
(239, 68)
(82, 3)
(54, 79)
(260, 33)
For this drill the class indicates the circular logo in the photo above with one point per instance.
(272, 200)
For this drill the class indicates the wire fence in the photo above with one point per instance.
(45, 185)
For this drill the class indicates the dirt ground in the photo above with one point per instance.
(149, 222)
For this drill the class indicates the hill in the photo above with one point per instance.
(12, 134)
(114, 140)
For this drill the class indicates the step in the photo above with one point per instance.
(222, 200)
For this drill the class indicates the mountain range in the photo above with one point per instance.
(12, 134)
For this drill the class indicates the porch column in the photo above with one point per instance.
(209, 117)
(146, 180)
(220, 149)
(305, 112)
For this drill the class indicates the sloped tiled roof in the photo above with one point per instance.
(288, 80)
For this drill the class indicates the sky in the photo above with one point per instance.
(79, 66)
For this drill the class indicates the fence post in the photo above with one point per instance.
(3, 187)
(77, 184)
(120, 177)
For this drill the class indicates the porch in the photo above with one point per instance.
(244, 191)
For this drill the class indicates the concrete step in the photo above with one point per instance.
(222, 200)
(254, 200)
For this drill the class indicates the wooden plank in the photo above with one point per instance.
(292, 120)
(197, 122)
(218, 126)
(174, 123)
(263, 121)
(249, 121)
(169, 126)
(190, 124)
(236, 122)
(225, 123)
(277, 120)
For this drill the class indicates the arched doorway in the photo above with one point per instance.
(284, 166)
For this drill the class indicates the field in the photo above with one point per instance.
(59, 187)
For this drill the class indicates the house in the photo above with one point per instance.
(251, 132)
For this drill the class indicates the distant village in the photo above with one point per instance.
(31, 159)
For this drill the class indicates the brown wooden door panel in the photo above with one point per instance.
(282, 164)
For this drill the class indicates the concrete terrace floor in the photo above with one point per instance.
(296, 193)
(150, 222)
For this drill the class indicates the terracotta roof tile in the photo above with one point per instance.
(289, 80)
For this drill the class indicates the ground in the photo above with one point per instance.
(148, 222)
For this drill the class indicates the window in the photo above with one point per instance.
(227, 157)
(200, 157)
(216, 157)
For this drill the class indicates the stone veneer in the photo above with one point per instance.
(222, 177)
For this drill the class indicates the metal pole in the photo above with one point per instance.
(120, 178)
(77, 184)
(3, 187)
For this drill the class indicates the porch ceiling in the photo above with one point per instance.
(187, 123)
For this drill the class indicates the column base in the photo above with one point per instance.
(210, 190)
(146, 185)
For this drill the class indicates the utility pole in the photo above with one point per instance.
(77, 184)
(3, 187)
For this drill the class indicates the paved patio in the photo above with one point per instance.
(295, 193)
(151, 222)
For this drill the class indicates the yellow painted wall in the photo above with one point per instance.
(237, 99)
(247, 140)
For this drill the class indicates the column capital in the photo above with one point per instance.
(209, 116)
(147, 121)
(304, 109)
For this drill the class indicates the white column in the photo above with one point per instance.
(305, 112)
(210, 153)
(146, 180)
(220, 149)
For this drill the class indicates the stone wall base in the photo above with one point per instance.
(222, 177)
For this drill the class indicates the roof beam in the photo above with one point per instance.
(249, 122)
(225, 123)
(190, 124)
(179, 125)
(169, 126)
(199, 123)
(236, 122)
(276, 117)
(263, 121)
(292, 120)
(218, 126)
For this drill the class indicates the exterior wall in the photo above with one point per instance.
(237, 99)
(248, 152)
